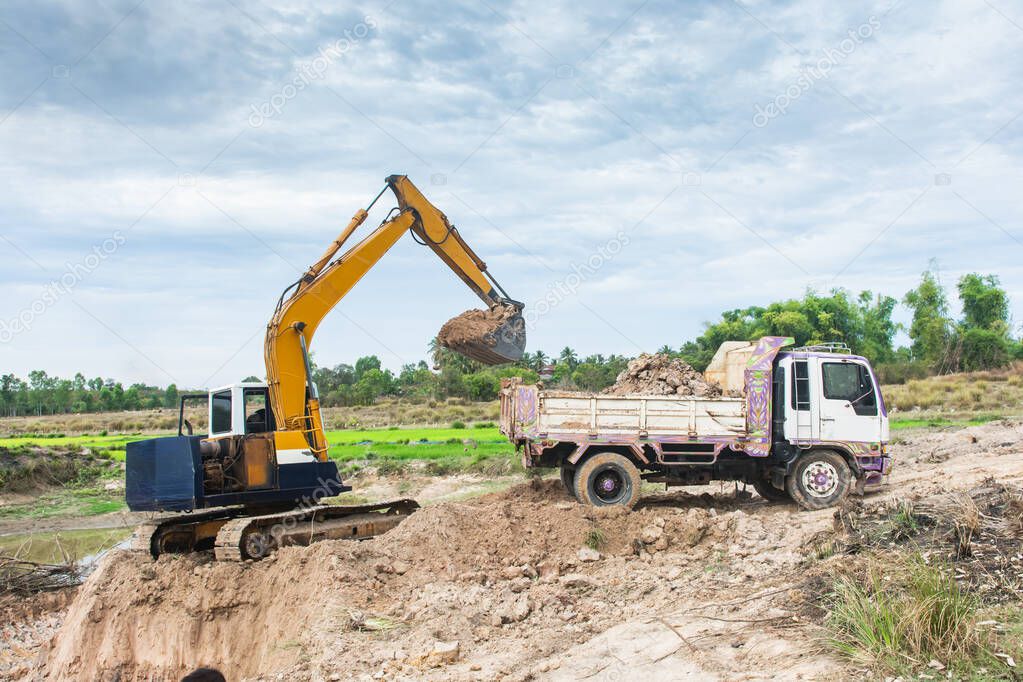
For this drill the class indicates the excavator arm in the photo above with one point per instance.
(293, 394)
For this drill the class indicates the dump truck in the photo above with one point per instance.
(806, 424)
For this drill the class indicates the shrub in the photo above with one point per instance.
(458, 425)
(442, 467)
(391, 467)
(984, 349)
(483, 425)
(899, 372)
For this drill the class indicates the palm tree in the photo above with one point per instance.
(569, 357)
(539, 360)
(435, 349)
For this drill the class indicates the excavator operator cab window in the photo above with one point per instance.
(258, 415)
(220, 413)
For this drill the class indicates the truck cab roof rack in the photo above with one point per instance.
(831, 347)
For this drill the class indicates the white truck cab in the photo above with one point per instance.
(832, 396)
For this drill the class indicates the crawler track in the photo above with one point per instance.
(253, 537)
(155, 537)
(233, 536)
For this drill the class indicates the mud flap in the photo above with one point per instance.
(861, 485)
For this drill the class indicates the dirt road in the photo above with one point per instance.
(698, 584)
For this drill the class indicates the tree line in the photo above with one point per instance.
(982, 338)
(44, 394)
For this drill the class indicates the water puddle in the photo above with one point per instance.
(84, 547)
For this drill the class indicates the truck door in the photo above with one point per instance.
(801, 410)
(848, 401)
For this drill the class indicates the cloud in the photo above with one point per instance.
(541, 129)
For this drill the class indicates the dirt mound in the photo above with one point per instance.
(662, 375)
(500, 557)
(529, 523)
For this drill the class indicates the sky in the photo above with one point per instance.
(628, 170)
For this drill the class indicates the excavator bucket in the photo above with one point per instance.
(493, 337)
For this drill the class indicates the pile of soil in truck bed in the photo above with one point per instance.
(662, 375)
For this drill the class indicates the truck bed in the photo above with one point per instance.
(530, 413)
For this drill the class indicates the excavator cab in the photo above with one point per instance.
(238, 409)
(234, 463)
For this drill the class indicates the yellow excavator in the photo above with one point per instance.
(256, 481)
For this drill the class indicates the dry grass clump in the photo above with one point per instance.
(939, 585)
(1014, 513)
(403, 413)
(989, 390)
(905, 615)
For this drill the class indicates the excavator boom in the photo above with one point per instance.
(493, 336)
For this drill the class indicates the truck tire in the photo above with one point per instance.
(607, 479)
(767, 491)
(819, 479)
(568, 478)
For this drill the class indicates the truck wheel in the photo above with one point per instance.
(568, 478)
(767, 491)
(820, 479)
(607, 479)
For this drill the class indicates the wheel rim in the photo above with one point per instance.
(609, 486)
(820, 479)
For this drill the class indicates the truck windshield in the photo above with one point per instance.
(850, 381)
